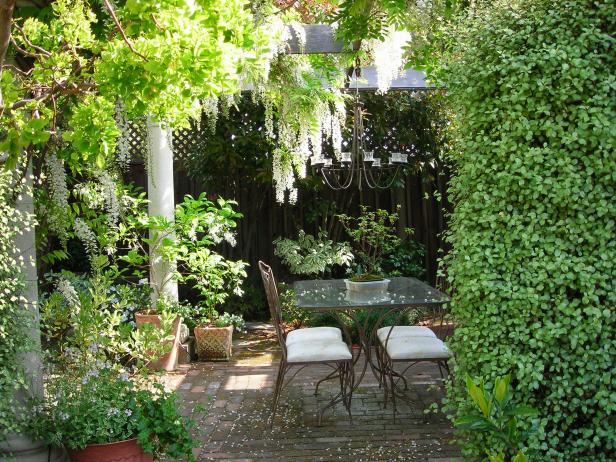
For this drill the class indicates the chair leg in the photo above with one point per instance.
(440, 369)
(282, 370)
(392, 386)
(347, 386)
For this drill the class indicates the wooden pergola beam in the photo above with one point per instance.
(321, 38)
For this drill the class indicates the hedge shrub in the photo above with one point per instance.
(533, 232)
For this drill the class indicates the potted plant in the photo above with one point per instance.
(166, 317)
(374, 235)
(101, 414)
(215, 278)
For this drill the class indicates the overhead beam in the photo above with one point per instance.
(321, 38)
(409, 79)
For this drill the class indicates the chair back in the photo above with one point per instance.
(271, 291)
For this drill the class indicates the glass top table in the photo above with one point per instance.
(333, 295)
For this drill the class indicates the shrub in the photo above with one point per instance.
(532, 232)
(407, 259)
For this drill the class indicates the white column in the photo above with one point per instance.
(20, 448)
(161, 202)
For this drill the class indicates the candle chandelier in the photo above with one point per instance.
(359, 166)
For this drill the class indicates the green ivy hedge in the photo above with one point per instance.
(533, 231)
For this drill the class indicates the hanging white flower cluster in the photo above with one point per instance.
(388, 56)
(108, 190)
(282, 175)
(123, 142)
(86, 236)
(59, 195)
(102, 195)
(299, 32)
(210, 110)
(219, 231)
(300, 137)
(69, 293)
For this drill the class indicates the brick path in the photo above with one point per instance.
(231, 403)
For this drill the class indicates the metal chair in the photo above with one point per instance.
(412, 344)
(306, 347)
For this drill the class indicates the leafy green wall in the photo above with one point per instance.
(533, 231)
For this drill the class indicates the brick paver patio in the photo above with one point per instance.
(231, 403)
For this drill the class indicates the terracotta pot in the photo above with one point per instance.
(214, 343)
(122, 451)
(169, 361)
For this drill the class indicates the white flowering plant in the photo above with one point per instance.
(96, 403)
(188, 244)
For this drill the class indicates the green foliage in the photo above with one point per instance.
(312, 255)
(498, 418)
(97, 403)
(532, 231)
(228, 319)
(369, 19)
(374, 235)
(407, 259)
(95, 315)
(291, 313)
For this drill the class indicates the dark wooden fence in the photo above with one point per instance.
(265, 220)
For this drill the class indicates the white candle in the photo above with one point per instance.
(376, 162)
(368, 156)
(346, 157)
(314, 160)
(327, 162)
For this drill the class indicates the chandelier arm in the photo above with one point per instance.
(330, 174)
(376, 184)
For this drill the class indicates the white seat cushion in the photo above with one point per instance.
(318, 351)
(404, 331)
(314, 333)
(411, 348)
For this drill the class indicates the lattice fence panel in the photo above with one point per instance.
(184, 141)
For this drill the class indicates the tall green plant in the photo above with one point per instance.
(374, 234)
(533, 228)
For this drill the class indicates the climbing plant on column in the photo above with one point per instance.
(533, 249)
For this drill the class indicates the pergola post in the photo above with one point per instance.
(20, 448)
(161, 196)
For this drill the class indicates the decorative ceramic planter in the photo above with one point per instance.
(214, 343)
(169, 361)
(122, 451)
(367, 287)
